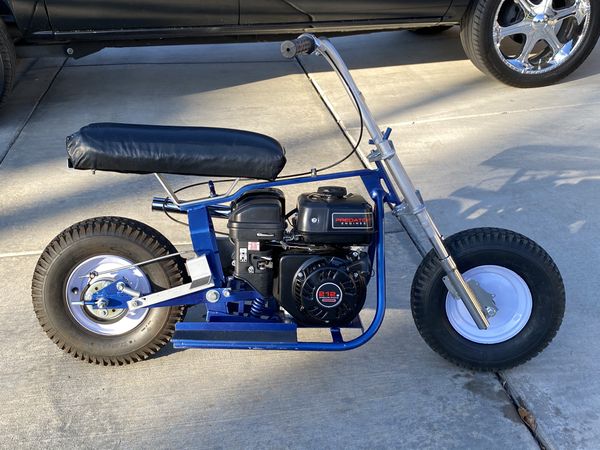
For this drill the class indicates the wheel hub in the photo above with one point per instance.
(538, 38)
(541, 20)
(102, 311)
(101, 319)
(511, 296)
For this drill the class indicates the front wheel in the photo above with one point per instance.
(530, 43)
(524, 282)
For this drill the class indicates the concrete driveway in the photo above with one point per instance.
(484, 154)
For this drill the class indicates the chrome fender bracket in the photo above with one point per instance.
(169, 294)
(201, 275)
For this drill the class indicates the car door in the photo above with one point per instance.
(286, 11)
(69, 15)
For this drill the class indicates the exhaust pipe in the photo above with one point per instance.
(165, 204)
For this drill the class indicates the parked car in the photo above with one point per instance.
(523, 43)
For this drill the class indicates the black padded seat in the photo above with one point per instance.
(217, 152)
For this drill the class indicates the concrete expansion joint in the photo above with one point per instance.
(30, 115)
(525, 413)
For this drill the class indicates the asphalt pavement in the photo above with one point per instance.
(483, 154)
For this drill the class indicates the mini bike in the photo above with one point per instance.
(111, 290)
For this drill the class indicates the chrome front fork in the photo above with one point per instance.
(385, 153)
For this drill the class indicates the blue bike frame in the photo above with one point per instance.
(219, 319)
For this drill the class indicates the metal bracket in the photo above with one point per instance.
(201, 275)
(403, 209)
(385, 149)
(173, 196)
(167, 187)
(169, 294)
(486, 300)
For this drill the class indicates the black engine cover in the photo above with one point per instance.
(332, 216)
(256, 219)
(322, 290)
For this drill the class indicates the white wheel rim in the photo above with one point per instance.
(512, 297)
(77, 283)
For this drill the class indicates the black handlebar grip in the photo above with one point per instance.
(299, 46)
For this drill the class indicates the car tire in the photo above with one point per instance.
(525, 44)
(8, 61)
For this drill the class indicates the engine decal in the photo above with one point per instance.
(329, 295)
(355, 221)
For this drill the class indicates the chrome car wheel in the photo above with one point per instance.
(536, 36)
(530, 43)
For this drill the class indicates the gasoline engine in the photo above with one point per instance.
(313, 261)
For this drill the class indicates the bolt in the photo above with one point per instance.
(212, 296)
(70, 51)
(251, 269)
(136, 303)
(491, 312)
(93, 275)
(355, 274)
(314, 220)
(75, 291)
(120, 286)
(226, 293)
(300, 275)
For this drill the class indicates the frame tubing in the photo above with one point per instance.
(338, 345)
(220, 200)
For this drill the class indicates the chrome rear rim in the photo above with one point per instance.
(537, 36)
(79, 288)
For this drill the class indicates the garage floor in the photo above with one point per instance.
(482, 153)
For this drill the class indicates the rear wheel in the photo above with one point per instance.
(530, 43)
(524, 282)
(62, 282)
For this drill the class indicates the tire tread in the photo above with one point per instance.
(133, 230)
(457, 243)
